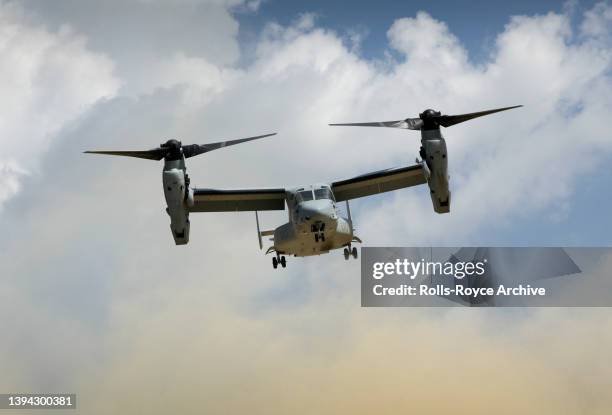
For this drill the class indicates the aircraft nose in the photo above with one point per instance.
(308, 213)
(316, 213)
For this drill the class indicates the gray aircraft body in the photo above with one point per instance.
(315, 225)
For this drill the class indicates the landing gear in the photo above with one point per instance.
(278, 259)
(350, 252)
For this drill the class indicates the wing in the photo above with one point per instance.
(378, 182)
(215, 200)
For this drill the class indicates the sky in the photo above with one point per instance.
(98, 300)
(476, 23)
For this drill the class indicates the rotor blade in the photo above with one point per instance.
(154, 154)
(407, 124)
(448, 120)
(195, 149)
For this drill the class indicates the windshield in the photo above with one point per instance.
(305, 196)
(324, 193)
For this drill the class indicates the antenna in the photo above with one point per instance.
(258, 232)
(348, 212)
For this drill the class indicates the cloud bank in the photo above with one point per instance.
(47, 80)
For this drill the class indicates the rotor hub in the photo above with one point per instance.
(171, 144)
(429, 113)
(173, 149)
(430, 119)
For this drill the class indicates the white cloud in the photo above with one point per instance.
(426, 41)
(142, 35)
(10, 174)
(47, 79)
(597, 21)
(201, 80)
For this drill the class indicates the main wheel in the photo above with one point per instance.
(274, 262)
(354, 252)
(283, 261)
(346, 253)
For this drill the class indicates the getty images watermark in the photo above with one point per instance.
(483, 277)
(458, 270)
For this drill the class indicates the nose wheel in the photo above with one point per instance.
(279, 259)
(348, 252)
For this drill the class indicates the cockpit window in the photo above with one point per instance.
(324, 193)
(305, 196)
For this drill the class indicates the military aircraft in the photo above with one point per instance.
(315, 226)
(179, 196)
(433, 152)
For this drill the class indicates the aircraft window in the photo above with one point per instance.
(324, 193)
(305, 195)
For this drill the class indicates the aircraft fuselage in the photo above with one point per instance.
(315, 227)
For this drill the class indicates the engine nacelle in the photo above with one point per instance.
(180, 232)
(177, 199)
(434, 155)
(440, 205)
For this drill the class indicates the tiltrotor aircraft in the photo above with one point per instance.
(315, 225)
(433, 152)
